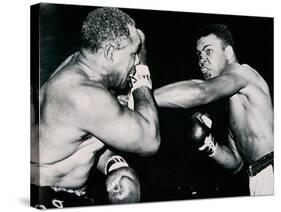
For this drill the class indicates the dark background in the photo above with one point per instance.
(176, 171)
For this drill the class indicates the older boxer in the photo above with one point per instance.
(80, 117)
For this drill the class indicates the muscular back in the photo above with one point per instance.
(66, 152)
(251, 118)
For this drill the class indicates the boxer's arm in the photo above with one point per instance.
(190, 93)
(227, 156)
(202, 139)
(182, 94)
(128, 99)
(103, 158)
(98, 112)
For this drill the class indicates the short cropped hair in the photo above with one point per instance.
(106, 25)
(220, 31)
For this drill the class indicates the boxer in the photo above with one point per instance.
(81, 120)
(250, 127)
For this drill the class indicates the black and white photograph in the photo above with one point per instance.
(134, 105)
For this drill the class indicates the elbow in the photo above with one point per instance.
(235, 166)
(150, 146)
(155, 146)
(154, 141)
(151, 138)
(238, 166)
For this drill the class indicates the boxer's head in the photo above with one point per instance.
(215, 48)
(114, 33)
(105, 26)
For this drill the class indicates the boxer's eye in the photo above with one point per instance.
(208, 51)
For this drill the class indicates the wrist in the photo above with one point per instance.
(209, 147)
(113, 163)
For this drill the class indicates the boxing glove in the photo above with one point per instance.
(200, 134)
(141, 78)
(122, 184)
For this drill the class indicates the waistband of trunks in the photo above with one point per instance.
(260, 164)
(78, 192)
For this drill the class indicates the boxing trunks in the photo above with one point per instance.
(56, 197)
(261, 176)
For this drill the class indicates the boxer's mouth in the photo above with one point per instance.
(206, 72)
(204, 69)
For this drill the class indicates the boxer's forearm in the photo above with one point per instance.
(144, 104)
(227, 159)
(142, 56)
(102, 160)
(184, 94)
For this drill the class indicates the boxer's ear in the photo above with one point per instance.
(108, 53)
(229, 52)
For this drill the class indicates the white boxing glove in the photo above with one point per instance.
(141, 78)
(121, 182)
(115, 162)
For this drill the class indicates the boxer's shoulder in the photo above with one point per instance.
(243, 70)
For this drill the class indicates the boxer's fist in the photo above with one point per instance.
(200, 134)
(141, 78)
(123, 186)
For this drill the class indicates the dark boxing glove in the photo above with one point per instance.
(121, 182)
(200, 135)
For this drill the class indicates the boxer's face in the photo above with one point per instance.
(126, 58)
(212, 57)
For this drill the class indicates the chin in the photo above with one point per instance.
(207, 76)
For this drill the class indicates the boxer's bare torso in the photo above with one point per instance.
(250, 108)
(66, 152)
(251, 118)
